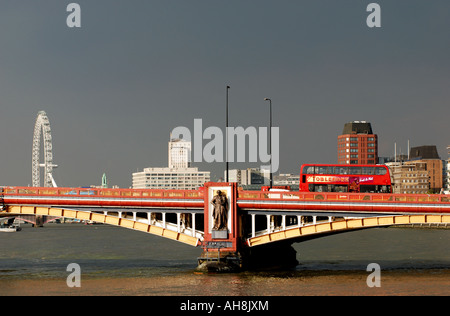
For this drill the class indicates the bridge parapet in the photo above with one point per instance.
(335, 196)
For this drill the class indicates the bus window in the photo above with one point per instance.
(368, 189)
(341, 170)
(320, 188)
(385, 189)
(303, 169)
(368, 171)
(308, 170)
(354, 170)
(380, 171)
(321, 170)
(340, 188)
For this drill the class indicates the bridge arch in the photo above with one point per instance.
(32, 219)
(102, 218)
(345, 225)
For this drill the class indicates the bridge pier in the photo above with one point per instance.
(225, 250)
(220, 261)
(39, 221)
(221, 246)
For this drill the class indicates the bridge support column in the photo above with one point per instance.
(225, 249)
(193, 224)
(253, 225)
(39, 221)
(221, 247)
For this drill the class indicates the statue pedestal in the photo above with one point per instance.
(221, 248)
(219, 234)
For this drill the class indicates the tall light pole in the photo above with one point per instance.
(270, 138)
(226, 138)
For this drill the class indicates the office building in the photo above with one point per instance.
(249, 177)
(170, 178)
(429, 155)
(287, 179)
(179, 153)
(357, 144)
(179, 175)
(410, 177)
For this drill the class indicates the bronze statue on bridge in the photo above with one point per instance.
(220, 212)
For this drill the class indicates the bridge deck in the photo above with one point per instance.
(89, 204)
(246, 200)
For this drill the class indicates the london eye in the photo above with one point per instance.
(42, 127)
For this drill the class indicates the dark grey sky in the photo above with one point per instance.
(116, 87)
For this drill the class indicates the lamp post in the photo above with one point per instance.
(270, 139)
(226, 137)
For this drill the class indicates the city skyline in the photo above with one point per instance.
(115, 88)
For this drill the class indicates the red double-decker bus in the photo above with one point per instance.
(345, 178)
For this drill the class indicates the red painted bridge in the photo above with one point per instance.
(255, 219)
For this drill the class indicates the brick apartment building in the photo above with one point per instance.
(357, 144)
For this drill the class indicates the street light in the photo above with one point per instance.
(226, 138)
(270, 138)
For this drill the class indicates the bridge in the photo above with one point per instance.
(260, 225)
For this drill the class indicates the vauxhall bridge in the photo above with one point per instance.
(260, 226)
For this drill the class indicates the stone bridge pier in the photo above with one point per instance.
(225, 248)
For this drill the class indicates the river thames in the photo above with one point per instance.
(117, 261)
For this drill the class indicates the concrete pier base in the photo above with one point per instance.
(219, 261)
(268, 257)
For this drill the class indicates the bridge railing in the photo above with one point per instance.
(163, 194)
(335, 196)
(96, 192)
